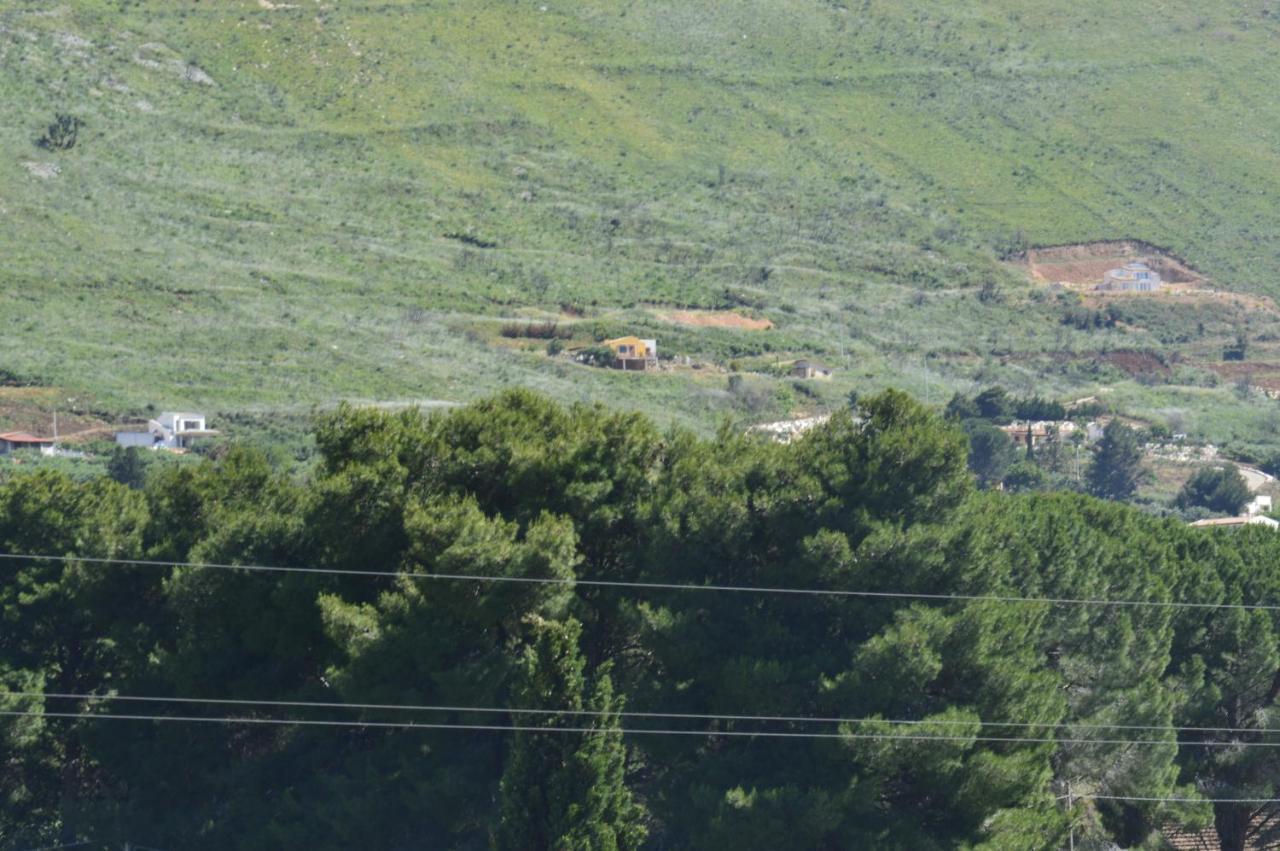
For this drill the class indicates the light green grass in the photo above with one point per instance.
(279, 240)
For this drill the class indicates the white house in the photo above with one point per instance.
(1261, 504)
(170, 430)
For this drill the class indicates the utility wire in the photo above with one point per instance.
(690, 716)
(1178, 800)
(656, 586)
(643, 731)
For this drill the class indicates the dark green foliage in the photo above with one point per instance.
(1116, 469)
(1220, 489)
(127, 467)
(994, 404)
(997, 405)
(520, 488)
(597, 356)
(962, 407)
(1238, 350)
(566, 791)
(1037, 408)
(1025, 476)
(990, 451)
(537, 330)
(62, 134)
(1271, 464)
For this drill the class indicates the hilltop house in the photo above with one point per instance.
(14, 440)
(633, 353)
(170, 430)
(809, 369)
(1136, 277)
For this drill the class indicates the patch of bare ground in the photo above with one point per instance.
(1136, 363)
(1081, 267)
(1133, 362)
(715, 319)
(42, 170)
(1086, 263)
(1264, 375)
(32, 408)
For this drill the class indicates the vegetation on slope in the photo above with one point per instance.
(270, 205)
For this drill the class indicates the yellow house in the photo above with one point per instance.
(627, 348)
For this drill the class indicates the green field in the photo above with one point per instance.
(269, 209)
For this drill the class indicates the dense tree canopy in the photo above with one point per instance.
(967, 713)
(1220, 489)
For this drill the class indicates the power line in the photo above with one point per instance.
(1179, 800)
(642, 731)
(689, 716)
(656, 586)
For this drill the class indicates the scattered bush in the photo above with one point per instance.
(62, 134)
(536, 331)
(597, 356)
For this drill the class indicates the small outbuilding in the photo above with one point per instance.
(633, 353)
(1136, 277)
(809, 369)
(12, 441)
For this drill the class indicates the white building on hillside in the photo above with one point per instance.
(170, 430)
(1131, 277)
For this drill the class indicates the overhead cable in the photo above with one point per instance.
(688, 716)
(655, 586)
(641, 731)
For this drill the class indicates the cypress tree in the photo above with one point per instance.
(562, 790)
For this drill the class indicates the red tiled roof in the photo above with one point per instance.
(24, 437)
(1207, 839)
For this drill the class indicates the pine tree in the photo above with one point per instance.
(1215, 488)
(1116, 470)
(566, 791)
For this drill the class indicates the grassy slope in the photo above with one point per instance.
(279, 238)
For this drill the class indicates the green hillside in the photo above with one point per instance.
(271, 206)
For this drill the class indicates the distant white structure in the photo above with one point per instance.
(1220, 522)
(170, 430)
(1134, 277)
(1260, 504)
(785, 431)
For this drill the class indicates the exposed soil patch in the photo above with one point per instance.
(1081, 267)
(715, 319)
(1261, 374)
(1136, 363)
(1132, 362)
(31, 409)
(1086, 263)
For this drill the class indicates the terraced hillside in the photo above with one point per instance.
(269, 206)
